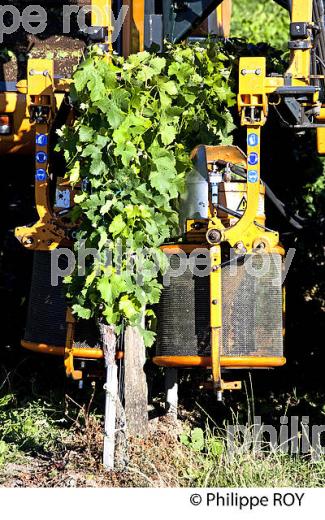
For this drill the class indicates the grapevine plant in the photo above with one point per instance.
(137, 120)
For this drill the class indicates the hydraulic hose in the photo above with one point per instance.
(293, 220)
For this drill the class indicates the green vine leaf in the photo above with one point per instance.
(137, 120)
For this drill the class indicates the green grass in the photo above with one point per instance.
(44, 433)
(199, 458)
(209, 464)
(30, 428)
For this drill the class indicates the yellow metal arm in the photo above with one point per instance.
(255, 89)
(101, 16)
(42, 105)
(302, 11)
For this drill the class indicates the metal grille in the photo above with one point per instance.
(46, 313)
(252, 311)
(183, 315)
(252, 307)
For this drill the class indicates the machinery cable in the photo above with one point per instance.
(294, 220)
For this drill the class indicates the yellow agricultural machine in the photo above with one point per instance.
(232, 318)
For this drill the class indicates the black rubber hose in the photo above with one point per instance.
(229, 211)
(234, 260)
(319, 15)
(292, 219)
(280, 206)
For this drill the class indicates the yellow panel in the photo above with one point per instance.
(224, 18)
(8, 102)
(138, 17)
(302, 11)
(133, 27)
(40, 73)
(101, 13)
(252, 82)
(321, 140)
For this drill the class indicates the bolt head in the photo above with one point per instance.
(214, 236)
(197, 226)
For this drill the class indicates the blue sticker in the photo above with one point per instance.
(41, 140)
(252, 140)
(252, 176)
(41, 157)
(253, 158)
(41, 174)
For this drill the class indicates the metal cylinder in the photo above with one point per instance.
(195, 200)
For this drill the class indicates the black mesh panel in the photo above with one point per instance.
(252, 311)
(46, 314)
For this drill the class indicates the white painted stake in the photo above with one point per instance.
(111, 390)
(171, 387)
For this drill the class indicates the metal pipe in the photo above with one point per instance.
(42, 348)
(225, 361)
(216, 314)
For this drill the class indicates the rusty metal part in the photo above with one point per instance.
(226, 385)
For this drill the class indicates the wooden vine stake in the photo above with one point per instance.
(136, 395)
(136, 391)
(111, 390)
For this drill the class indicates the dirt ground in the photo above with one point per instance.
(152, 462)
(66, 49)
(55, 432)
